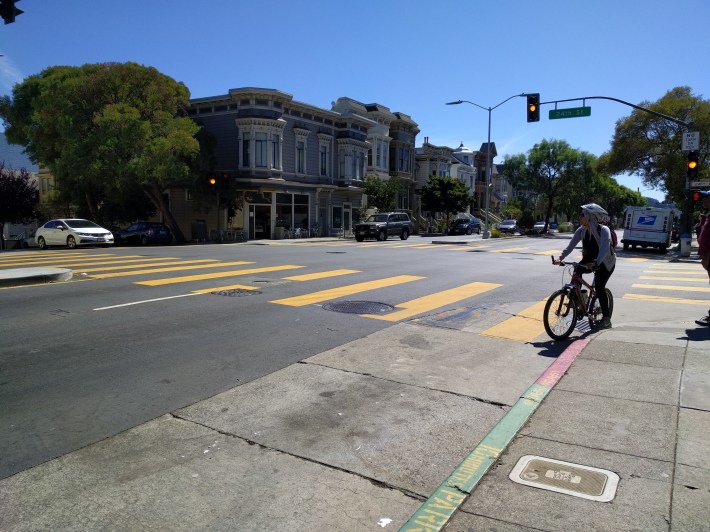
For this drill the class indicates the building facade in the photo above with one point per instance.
(294, 166)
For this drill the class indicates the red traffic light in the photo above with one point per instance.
(696, 196)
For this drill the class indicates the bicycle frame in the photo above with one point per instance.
(577, 283)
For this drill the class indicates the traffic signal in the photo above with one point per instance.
(225, 180)
(533, 107)
(211, 180)
(8, 11)
(692, 164)
(697, 196)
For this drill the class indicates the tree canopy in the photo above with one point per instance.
(382, 195)
(18, 197)
(651, 146)
(446, 195)
(105, 130)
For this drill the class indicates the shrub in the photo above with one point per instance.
(565, 228)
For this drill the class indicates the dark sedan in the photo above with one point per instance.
(144, 233)
(465, 226)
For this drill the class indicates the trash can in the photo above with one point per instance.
(199, 231)
(685, 240)
(278, 233)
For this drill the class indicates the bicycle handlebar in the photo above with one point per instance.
(575, 264)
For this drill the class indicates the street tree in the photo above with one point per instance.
(551, 168)
(650, 146)
(382, 195)
(445, 195)
(104, 130)
(18, 198)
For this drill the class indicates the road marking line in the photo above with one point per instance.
(669, 287)
(334, 293)
(523, 327)
(216, 275)
(434, 301)
(549, 252)
(173, 269)
(144, 301)
(320, 275)
(636, 259)
(674, 300)
(229, 287)
(680, 279)
(53, 260)
(460, 248)
(696, 271)
(152, 264)
(435, 512)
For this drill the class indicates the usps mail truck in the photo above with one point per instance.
(648, 227)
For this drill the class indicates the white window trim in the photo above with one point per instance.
(325, 141)
(301, 135)
(252, 126)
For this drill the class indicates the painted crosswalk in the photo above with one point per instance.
(672, 283)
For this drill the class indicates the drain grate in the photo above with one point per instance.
(358, 307)
(235, 292)
(564, 477)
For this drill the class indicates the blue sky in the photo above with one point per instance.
(411, 56)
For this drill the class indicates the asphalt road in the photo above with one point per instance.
(123, 343)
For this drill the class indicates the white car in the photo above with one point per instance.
(509, 226)
(538, 227)
(72, 232)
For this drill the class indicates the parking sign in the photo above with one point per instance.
(691, 140)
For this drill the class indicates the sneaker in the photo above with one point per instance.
(606, 324)
(704, 321)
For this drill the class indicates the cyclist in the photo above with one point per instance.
(597, 253)
(704, 251)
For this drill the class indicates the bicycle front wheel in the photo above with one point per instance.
(560, 315)
(595, 309)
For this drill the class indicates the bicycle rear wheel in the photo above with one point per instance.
(595, 309)
(560, 315)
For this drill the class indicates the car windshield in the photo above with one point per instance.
(377, 218)
(461, 222)
(78, 224)
(508, 222)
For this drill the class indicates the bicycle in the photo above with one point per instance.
(564, 306)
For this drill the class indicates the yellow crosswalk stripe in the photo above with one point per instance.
(674, 300)
(524, 327)
(549, 252)
(320, 275)
(217, 275)
(229, 287)
(459, 248)
(635, 259)
(91, 269)
(342, 291)
(694, 271)
(669, 287)
(678, 279)
(72, 260)
(171, 269)
(434, 301)
(507, 250)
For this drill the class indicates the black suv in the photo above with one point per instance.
(144, 233)
(465, 226)
(384, 224)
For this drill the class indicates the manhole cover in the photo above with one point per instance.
(564, 477)
(235, 292)
(358, 307)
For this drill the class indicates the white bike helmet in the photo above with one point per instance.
(594, 211)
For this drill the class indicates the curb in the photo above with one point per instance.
(436, 511)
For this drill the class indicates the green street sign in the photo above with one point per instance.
(572, 112)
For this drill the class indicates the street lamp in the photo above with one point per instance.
(487, 233)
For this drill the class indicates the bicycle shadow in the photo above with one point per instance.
(554, 348)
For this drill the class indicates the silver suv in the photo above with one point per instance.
(383, 225)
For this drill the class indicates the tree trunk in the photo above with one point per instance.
(93, 208)
(156, 197)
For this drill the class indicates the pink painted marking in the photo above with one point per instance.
(554, 373)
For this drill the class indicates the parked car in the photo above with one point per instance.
(72, 232)
(465, 226)
(383, 225)
(509, 226)
(539, 227)
(144, 233)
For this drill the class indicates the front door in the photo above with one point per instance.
(347, 219)
(259, 221)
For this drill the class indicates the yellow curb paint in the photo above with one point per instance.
(674, 300)
(434, 301)
(217, 275)
(524, 327)
(342, 291)
(320, 275)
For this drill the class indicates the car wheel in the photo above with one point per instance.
(469, 231)
(41, 243)
(478, 231)
(144, 240)
(382, 235)
(71, 242)
(404, 235)
(359, 238)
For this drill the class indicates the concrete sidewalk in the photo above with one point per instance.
(358, 437)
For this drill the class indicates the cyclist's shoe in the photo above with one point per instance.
(605, 324)
(704, 321)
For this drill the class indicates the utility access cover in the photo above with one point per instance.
(564, 477)
(358, 307)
